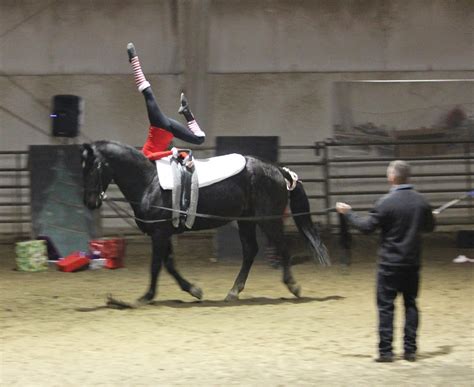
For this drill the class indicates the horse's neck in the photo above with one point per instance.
(133, 177)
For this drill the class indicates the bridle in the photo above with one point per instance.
(99, 188)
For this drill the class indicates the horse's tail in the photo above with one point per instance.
(299, 205)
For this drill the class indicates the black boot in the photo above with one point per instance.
(131, 51)
(184, 109)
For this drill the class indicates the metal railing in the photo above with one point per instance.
(328, 173)
(453, 176)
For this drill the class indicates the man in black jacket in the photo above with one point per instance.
(401, 215)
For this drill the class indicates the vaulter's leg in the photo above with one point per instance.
(248, 238)
(140, 79)
(155, 115)
(191, 121)
(184, 284)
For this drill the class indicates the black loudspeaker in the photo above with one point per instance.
(66, 115)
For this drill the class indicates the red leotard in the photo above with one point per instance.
(157, 143)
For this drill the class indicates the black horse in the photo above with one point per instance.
(259, 191)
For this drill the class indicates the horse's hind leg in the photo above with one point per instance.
(274, 232)
(248, 238)
(184, 284)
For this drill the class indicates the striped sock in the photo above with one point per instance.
(140, 79)
(194, 127)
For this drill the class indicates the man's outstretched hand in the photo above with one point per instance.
(343, 208)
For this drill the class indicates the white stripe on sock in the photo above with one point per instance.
(142, 86)
(194, 127)
(139, 77)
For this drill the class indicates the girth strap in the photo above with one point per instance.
(185, 192)
(193, 200)
(176, 192)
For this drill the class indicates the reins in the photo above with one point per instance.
(118, 210)
(121, 212)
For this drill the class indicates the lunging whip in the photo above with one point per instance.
(453, 202)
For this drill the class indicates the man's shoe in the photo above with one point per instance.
(384, 359)
(410, 357)
(131, 51)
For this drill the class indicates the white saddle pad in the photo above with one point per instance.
(209, 171)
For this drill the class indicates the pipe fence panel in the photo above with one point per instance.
(331, 172)
(358, 176)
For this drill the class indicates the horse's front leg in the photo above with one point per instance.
(160, 241)
(184, 284)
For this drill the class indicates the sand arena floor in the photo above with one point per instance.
(267, 338)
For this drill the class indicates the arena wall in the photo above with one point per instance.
(249, 67)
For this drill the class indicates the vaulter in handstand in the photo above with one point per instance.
(161, 132)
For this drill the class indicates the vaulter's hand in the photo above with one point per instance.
(175, 152)
(343, 208)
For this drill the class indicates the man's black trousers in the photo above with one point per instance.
(391, 281)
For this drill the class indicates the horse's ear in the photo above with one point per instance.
(87, 155)
(86, 151)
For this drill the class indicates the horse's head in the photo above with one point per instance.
(97, 176)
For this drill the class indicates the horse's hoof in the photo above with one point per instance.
(195, 292)
(144, 300)
(295, 290)
(232, 297)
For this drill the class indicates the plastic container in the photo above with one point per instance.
(111, 249)
(97, 263)
(74, 262)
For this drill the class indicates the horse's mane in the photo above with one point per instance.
(120, 150)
